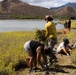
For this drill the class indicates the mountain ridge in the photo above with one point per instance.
(66, 12)
(68, 4)
(23, 10)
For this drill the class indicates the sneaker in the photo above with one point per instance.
(68, 54)
(36, 68)
(54, 50)
(46, 72)
(31, 70)
(55, 60)
(74, 46)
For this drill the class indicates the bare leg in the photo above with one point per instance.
(31, 60)
(64, 50)
(35, 61)
(38, 50)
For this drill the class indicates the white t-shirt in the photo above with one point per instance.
(60, 46)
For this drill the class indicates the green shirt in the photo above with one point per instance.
(50, 30)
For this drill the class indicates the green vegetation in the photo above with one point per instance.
(73, 24)
(40, 35)
(60, 17)
(12, 51)
(17, 16)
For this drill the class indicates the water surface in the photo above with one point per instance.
(24, 25)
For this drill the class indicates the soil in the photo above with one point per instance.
(64, 66)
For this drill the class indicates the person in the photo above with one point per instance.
(51, 35)
(35, 50)
(65, 25)
(64, 47)
(69, 24)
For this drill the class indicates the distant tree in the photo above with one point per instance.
(5, 5)
(5, 0)
(11, 0)
(15, 0)
(73, 17)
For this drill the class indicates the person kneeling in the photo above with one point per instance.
(64, 47)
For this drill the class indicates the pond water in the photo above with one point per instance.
(24, 25)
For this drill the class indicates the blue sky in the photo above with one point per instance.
(47, 3)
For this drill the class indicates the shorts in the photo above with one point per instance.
(27, 47)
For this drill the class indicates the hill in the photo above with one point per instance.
(68, 5)
(21, 8)
(65, 12)
(16, 9)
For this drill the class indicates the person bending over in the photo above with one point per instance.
(35, 50)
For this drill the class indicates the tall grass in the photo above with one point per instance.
(12, 49)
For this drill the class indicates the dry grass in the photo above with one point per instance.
(12, 52)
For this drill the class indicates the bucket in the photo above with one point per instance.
(64, 32)
(27, 61)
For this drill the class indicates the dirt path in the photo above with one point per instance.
(62, 67)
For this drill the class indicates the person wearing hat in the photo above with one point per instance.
(64, 47)
(51, 34)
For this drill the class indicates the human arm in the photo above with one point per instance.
(47, 32)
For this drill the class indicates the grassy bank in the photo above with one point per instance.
(12, 51)
(73, 23)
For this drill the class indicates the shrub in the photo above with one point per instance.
(40, 35)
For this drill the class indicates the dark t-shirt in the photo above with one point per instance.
(69, 24)
(34, 45)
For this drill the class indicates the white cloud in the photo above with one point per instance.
(47, 3)
(70, 1)
(36, 1)
(43, 4)
(1, 0)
